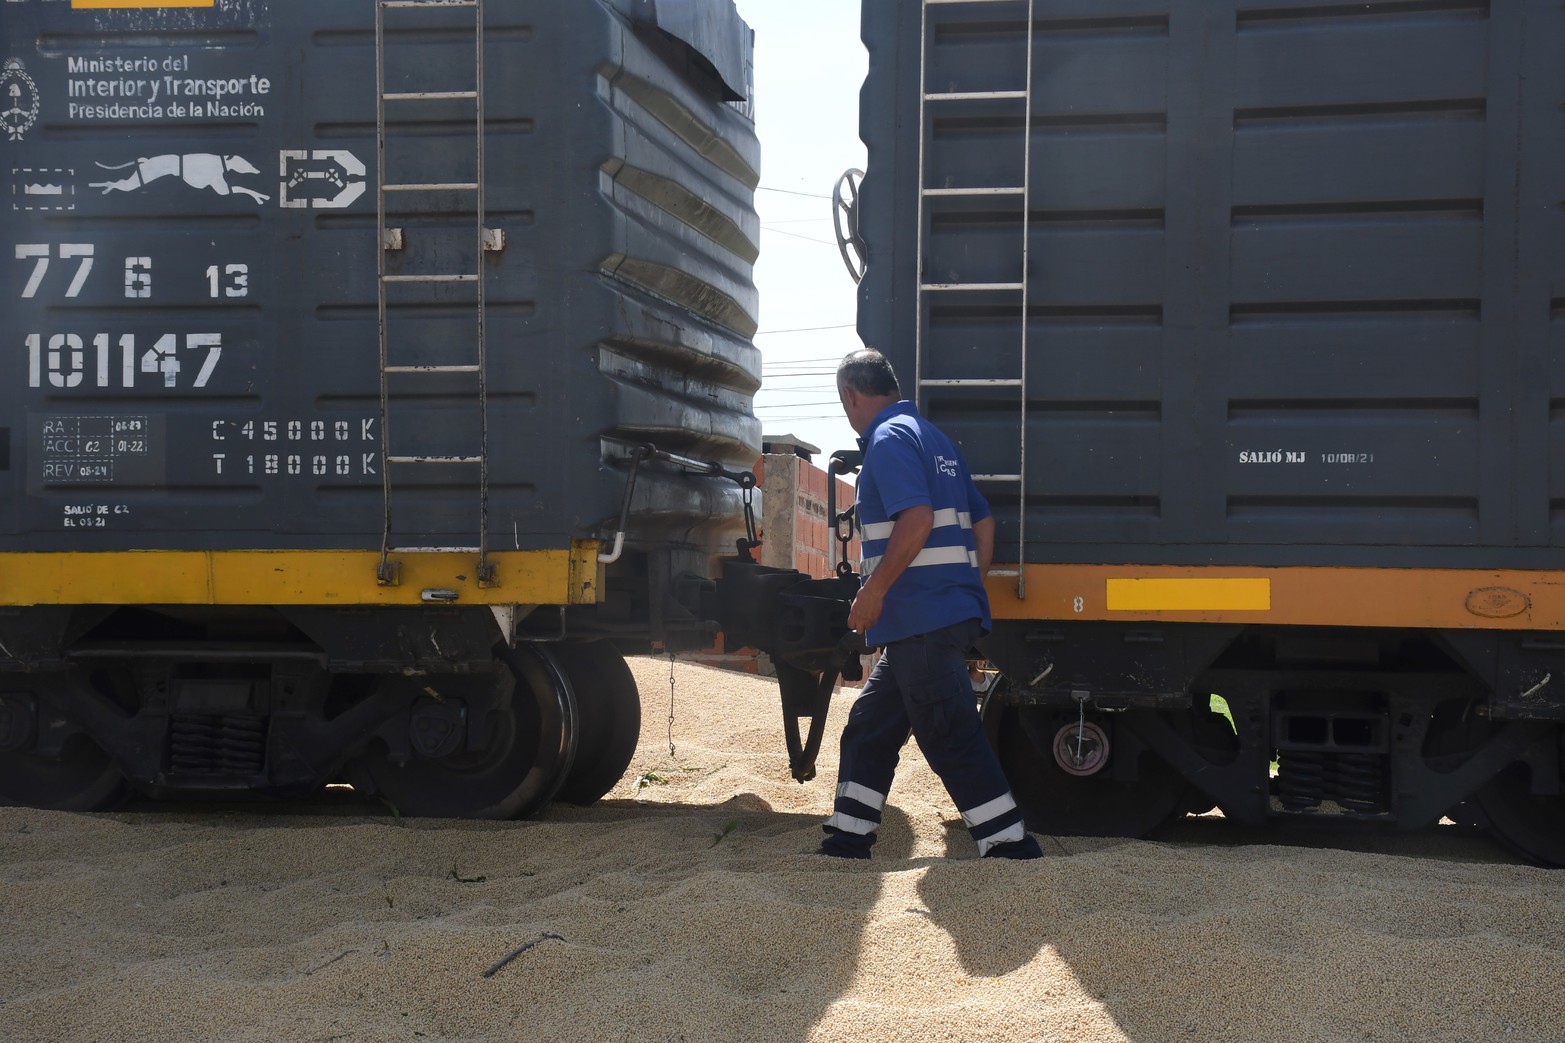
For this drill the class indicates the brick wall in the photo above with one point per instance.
(796, 533)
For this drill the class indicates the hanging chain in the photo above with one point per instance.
(842, 527)
(747, 483)
(671, 704)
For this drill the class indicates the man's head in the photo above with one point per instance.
(866, 384)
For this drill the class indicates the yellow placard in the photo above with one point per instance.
(1189, 595)
(79, 4)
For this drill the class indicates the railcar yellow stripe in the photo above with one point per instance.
(142, 3)
(1492, 599)
(259, 577)
(1189, 595)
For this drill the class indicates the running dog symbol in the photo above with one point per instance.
(198, 170)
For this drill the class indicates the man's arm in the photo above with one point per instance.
(983, 535)
(908, 535)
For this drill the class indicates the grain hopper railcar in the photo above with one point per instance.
(335, 333)
(1250, 314)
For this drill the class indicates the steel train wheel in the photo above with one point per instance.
(82, 778)
(77, 776)
(1063, 776)
(1213, 736)
(609, 712)
(531, 745)
(1532, 824)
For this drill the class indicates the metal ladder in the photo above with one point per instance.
(928, 100)
(387, 572)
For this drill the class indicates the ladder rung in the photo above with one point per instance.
(436, 3)
(434, 550)
(438, 186)
(933, 3)
(1018, 191)
(429, 95)
(977, 96)
(1003, 573)
(972, 287)
(431, 369)
(431, 278)
(971, 383)
(997, 478)
(434, 459)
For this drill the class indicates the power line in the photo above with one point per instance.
(802, 418)
(809, 329)
(823, 358)
(791, 192)
(797, 402)
(796, 235)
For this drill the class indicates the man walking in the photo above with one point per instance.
(927, 539)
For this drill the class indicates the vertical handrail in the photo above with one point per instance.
(384, 571)
(486, 571)
(1021, 485)
(918, 251)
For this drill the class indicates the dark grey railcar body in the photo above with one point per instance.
(338, 334)
(210, 173)
(1294, 273)
(1288, 278)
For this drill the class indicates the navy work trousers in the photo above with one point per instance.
(920, 687)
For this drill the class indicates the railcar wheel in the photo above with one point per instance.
(519, 770)
(609, 711)
(80, 777)
(1214, 738)
(1532, 824)
(1063, 775)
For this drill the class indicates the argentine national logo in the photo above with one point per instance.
(18, 100)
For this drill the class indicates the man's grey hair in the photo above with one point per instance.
(869, 373)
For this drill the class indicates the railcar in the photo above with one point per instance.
(1248, 314)
(340, 339)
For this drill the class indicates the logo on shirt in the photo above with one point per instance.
(945, 466)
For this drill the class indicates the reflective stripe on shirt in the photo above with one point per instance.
(943, 519)
(928, 556)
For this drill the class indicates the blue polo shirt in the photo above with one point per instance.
(908, 462)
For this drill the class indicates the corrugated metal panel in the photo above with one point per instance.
(1294, 291)
(211, 380)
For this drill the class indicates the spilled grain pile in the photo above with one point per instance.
(684, 908)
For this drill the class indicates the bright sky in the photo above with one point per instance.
(809, 66)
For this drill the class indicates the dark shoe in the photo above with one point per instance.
(1026, 847)
(838, 849)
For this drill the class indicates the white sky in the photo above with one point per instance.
(809, 66)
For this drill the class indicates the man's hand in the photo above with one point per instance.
(865, 612)
(983, 538)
